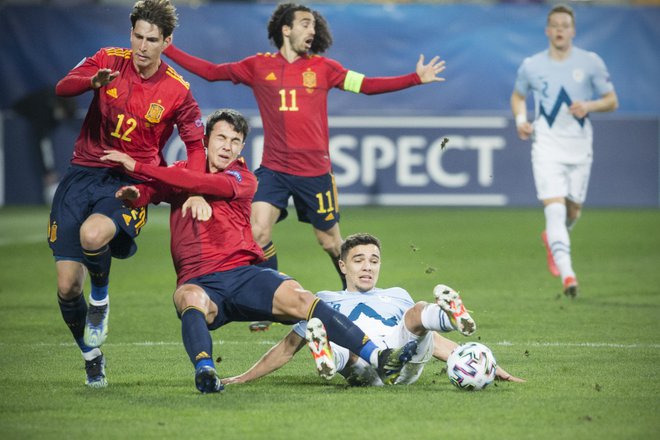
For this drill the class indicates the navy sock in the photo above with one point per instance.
(342, 331)
(196, 337)
(98, 264)
(74, 313)
(270, 255)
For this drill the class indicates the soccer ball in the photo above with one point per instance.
(471, 366)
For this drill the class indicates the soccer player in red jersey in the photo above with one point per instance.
(137, 101)
(291, 89)
(217, 279)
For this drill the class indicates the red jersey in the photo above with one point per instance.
(219, 244)
(293, 102)
(131, 114)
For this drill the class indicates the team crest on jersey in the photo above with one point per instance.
(309, 80)
(236, 174)
(154, 113)
(578, 75)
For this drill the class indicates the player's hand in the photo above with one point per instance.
(199, 208)
(579, 109)
(127, 193)
(103, 77)
(502, 375)
(118, 157)
(429, 72)
(525, 130)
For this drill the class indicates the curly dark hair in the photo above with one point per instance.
(232, 117)
(161, 13)
(284, 15)
(357, 240)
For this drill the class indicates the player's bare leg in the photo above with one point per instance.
(331, 241)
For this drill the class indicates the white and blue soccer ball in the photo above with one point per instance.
(471, 366)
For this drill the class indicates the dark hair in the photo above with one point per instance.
(160, 13)
(284, 15)
(357, 240)
(565, 9)
(230, 116)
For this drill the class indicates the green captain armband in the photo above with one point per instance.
(353, 81)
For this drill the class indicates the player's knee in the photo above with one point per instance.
(190, 296)
(292, 300)
(94, 235)
(69, 288)
(261, 234)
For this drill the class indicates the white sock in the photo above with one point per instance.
(558, 238)
(434, 318)
(340, 355)
(90, 355)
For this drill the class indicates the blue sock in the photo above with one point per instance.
(74, 313)
(270, 255)
(342, 331)
(196, 337)
(98, 264)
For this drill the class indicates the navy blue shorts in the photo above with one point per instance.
(315, 198)
(242, 294)
(82, 192)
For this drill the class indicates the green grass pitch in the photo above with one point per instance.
(591, 364)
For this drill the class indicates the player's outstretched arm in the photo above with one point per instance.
(429, 72)
(276, 357)
(200, 67)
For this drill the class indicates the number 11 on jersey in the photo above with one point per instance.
(283, 104)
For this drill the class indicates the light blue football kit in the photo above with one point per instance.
(562, 144)
(379, 313)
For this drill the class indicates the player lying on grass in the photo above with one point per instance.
(389, 316)
(217, 281)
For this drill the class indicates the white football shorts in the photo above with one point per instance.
(555, 179)
(398, 337)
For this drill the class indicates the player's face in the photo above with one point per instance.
(224, 145)
(361, 268)
(560, 30)
(301, 33)
(148, 44)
